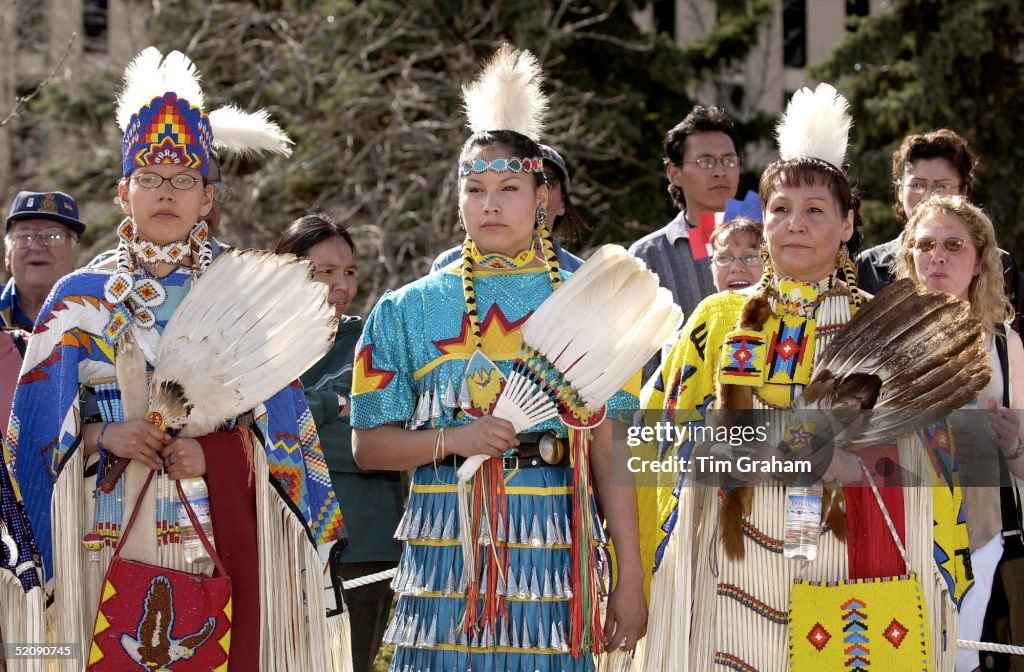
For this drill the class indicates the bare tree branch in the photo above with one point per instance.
(21, 101)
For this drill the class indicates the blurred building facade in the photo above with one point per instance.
(34, 36)
(798, 33)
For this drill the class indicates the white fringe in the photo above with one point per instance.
(667, 644)
(339, 630)
(919, 524)
(71, 616)
(295, 635)
(21, 619)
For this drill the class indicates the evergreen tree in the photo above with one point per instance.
(370, 92)
(928, 64)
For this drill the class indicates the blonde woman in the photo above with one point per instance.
(950, 245)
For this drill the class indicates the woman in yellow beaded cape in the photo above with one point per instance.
(719, 584)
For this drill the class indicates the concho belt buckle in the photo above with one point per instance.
(551, 449)
(510, 462)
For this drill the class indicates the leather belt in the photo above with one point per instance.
(535, 449)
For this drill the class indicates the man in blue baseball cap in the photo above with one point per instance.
(40, 247)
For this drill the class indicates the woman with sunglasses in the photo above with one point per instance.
(949, 245)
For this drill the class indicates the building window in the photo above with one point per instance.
(858, 7)
(794, 33)
(94, 25)
(665, 17)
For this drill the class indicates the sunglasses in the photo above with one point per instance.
(951, 244)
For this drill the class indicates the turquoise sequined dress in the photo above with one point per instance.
(409, 369)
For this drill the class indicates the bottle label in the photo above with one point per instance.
(804, 508)
(200, 506)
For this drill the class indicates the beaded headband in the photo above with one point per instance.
(502, 165)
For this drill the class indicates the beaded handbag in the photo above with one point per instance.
(156, 618)
(878, 624)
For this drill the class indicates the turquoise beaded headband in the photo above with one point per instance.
(501, 165)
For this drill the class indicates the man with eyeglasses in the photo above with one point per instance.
(40, 247)
(702, 162)
(939, 162)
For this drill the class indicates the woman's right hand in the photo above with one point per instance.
(136, 440)
(487, 435)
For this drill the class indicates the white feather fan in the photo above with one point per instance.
(507, 95)
(252, 324)
(816, 125)
(595, 333)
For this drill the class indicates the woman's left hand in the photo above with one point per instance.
(626, 619)
(184, 458)
(1005, 427)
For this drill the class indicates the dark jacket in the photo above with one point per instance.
(371, 501)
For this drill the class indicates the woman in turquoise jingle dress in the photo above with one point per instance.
(415, 395)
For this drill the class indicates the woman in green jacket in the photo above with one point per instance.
(370, 500)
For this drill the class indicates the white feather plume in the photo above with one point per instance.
(150, 74)
(247, 133)
(253, 322)
(507, 95)
(816, 125)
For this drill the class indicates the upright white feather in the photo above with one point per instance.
(253, 322)
(247, 133)
(507, 95)
(181, 76)
(141, 78)
(816, 125)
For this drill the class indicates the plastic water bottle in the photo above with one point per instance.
(199, 499)
(803, 522)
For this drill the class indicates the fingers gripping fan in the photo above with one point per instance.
(583, 343)
(252, 324)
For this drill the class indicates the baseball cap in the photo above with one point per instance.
(52, 205)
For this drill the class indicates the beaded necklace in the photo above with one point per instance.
(135, 299)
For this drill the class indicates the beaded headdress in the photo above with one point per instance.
(160, 110)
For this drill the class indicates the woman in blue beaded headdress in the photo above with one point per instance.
(83, 393)
(421, 387)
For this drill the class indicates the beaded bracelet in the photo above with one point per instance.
(99, 439)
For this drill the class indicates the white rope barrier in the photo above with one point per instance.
(370, 578)
(988, 646)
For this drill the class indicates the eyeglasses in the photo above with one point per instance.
(746, 260)
(181, 181)
(922, 187)
(48, 237)
(709, 162)
(952, 244)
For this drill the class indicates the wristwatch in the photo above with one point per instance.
(342, 403)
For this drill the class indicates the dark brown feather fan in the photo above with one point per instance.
(909, 355)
